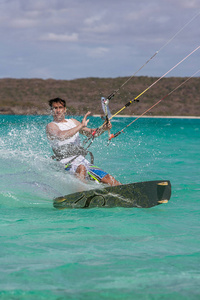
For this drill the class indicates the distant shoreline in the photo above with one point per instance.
(30, 96)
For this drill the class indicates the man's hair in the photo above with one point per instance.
(57, 100)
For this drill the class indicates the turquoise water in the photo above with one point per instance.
(100, 253)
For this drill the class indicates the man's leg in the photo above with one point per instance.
(108, 179)
(81, 172)
(102, 176)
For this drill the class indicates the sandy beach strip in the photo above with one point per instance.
(164, 117)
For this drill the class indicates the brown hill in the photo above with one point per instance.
(30, 96)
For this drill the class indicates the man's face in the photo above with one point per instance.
(58, 111)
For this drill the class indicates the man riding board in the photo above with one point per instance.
(63, 135)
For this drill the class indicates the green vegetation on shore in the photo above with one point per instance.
(30, 96)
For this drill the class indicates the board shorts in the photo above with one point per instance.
(93, 172)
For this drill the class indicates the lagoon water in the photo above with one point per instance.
(98, 253)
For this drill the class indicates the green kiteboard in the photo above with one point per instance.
(140, 194)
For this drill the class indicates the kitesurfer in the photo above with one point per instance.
(63, 135)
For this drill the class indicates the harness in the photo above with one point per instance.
(68, 150)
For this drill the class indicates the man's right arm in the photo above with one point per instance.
(53, 131)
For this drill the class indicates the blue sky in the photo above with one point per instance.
(68, 39)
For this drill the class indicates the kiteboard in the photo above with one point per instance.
(140, 194)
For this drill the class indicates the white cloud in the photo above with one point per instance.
(188, 3)
(53, 37)
(98, 52)
(22, 23)
(94, 19)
